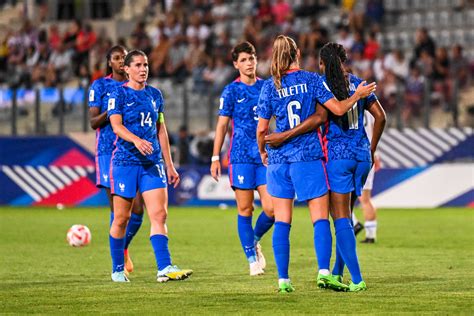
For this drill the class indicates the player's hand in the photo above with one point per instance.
(173, 176)
(376, 162)
(216, 170)
(143, 146)
(363, 90)
(264, 157)
(274, 139)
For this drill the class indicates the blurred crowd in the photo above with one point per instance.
(192, 40)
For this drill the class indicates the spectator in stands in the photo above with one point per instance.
(280, 11)
(220, 13)
(197, 29)
(414, 89)
(459, 66)
(175, 65)
(54, 36)
(159, 55)
(423, 42)
(264, 12)
(184, 140)
(372, 46)
(61, 62)
(359, 42)
(374, 11)
(396, 63)
(344, 37)
(441, 76)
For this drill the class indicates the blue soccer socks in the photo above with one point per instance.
(246, 235)
(323, 243)
(160, 248)
(116, 252)
(281, 248)
(339, 263)
(346, 243)
(263, 224)
(133, 226)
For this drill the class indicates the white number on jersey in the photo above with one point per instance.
(353, 117)
(255, 116)
(293, 118)
(146, 120)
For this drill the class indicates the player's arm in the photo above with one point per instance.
(310, 124)
(221, 130)
(143, 146)
(377, 111)
(96, 118)
(341, 107)
(173, 176)
(262, 131)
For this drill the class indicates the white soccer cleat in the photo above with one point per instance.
(260, 256)
(119, 276)
(256, 269)
(172, 273)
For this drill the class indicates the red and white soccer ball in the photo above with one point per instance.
(78, 236)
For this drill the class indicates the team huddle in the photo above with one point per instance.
(318, 153)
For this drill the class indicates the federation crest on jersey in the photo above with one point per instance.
(122, 187)
(111, 104)
(241, 179)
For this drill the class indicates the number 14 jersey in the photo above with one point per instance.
(140, 110)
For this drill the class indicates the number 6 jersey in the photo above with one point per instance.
(345, 134)
(140, 110)
(293, 103)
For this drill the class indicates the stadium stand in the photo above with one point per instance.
(421, 55)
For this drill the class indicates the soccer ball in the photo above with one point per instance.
(78, 236)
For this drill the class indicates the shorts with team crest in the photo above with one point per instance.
(102, 171)
(127, 180)
(247, 176)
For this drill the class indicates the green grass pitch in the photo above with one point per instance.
(423, 262)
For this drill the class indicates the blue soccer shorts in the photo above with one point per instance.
(306, 179)
(346, 176)
(247, 176)
(127, 180)
(102, 171)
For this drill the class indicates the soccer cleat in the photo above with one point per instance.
(358, 228)
(338, 278)
(331, 282)
(361, 286)
(260, 257)
(285, 287)
(256, 269)
(128, 262)
(172, 273)
(368, 241)
(119, 276)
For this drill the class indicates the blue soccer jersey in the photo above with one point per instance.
(99, 93)
(292, 104)
(345, 135)
(239, 102)
(140, 110)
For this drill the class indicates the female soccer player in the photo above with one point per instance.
(297, 166)
(135, 111)
(349, 154)
(98, 97)
(247, 173)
